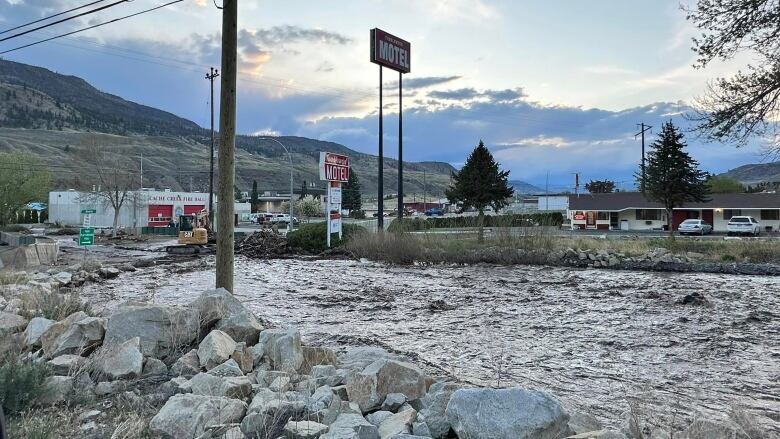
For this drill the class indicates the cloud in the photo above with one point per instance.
(422, 82)
(459, 94)
(467, 94)
(281, 35)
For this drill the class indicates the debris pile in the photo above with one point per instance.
(263, 244)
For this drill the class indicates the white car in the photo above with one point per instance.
(695, 226)
(743, 225)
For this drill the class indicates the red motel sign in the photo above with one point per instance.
(334, 167)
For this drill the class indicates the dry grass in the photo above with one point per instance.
(501, 245)
(53, 304)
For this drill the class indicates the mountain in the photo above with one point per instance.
(53, 116)
(756, 173)
(524, 188)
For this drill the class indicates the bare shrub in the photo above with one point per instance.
(399, 248)
(21, 383)
(52, 304)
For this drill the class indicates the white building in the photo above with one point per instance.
(145, 208)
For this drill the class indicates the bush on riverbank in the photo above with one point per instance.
(21, 382)
(312, 237)
(554, 219)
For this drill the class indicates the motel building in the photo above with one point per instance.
(632, 211)
(143, 208)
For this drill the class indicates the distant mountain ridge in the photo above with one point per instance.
(755, 173)
(524, 188)
(51, 115)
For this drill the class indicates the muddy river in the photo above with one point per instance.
(592, 337)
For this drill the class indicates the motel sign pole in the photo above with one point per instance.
(394, 53)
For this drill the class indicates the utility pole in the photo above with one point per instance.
(643, 128)
(400, 148)
(380, 198)
(577, 184)
(210, 76)
(425, 190)
(227, 139)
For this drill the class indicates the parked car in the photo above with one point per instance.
(739, 225)
(283, 218)
(434, 211)
(695, 227)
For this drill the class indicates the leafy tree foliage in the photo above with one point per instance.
(23, 179)
(724, 185)
(747, 104)
(600, 186)
(672, 177)
(350, 193)
(480, 184)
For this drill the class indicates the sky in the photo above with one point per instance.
(553, 88)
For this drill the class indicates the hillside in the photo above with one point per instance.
(755, 173)
(522, 187)
(53, 116)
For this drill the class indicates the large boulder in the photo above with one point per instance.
(304, 430)
(66, 364)
(314, 356)
(218, 309)
(36, 328)
(507, 413)
(283, 349)
(351, 426)
(161, 329)
(434, 407)
(599, 434)
(57, 390)
(50, 336)
(228, 387)
(120, 361)
(187, 416)
(714, 429)
(215, 349)
(270, 411)
(582, 422)
(399, 423)
(187, 365)
(11, 323)
(79, 338)
(369, 387)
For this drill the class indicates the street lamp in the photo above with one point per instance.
(290, 226)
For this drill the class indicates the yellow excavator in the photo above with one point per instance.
(193, 234)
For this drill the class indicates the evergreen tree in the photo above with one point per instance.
(304, 190)
(672, 177)
(480, 184)
(255, 196)
(350, 193)
(600, 186)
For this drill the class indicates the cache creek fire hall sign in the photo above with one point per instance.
(334, 168)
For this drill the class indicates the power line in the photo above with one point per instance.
(51, 16)
(93, 26)
(63, 20)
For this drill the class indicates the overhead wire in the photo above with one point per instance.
(51, 16)
(63, 20)
(93, 26)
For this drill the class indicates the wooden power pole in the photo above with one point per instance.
(227, 139)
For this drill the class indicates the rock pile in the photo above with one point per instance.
(263, 244)
(212, 370)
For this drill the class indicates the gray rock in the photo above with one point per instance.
(321, 399)
(162, 329)
(121, 361)
(187, 415)
(36, 328)
(283, 349)
(316, 356)
(321, 371)
(153, 366)
(351, 426)
(215, 349)
(89, 415)
(434, 406)
(269, 412)
(409, 436)
(228, 387)
(227, 369)
(256, 352)
(304, 430)
(369, 387)
(57, 390)
(66, 364)
(176, 385)
(280, 384)
(514, 414)
(104, 388)
(378, 417)
(11, 323)
(221, 310)
(243, 357)
(420, 428)
(358, 358)
(62, 278)
(108, 272)
(581, 422)
(399, 423)
(81, 337)
(393, 402)
(187, 365)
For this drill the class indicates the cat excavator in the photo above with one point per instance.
(193, 235)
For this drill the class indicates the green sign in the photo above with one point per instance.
(88, 211)
(86, 236)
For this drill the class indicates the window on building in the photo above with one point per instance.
(648, 214)
(728, 213)
(770, 214)
(603, 216)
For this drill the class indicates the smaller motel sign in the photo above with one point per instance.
(334, 167)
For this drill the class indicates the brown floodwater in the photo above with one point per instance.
(591, 337)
